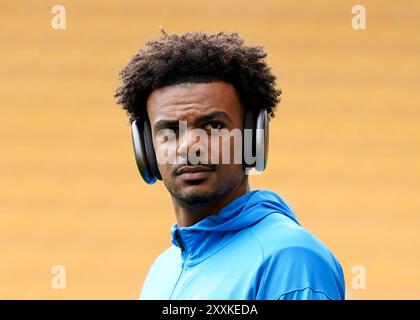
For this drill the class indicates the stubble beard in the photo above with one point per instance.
(196, 198)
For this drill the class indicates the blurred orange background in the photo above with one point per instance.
(344, 146)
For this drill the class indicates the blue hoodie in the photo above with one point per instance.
(253, 248)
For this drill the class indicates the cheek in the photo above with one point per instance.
(226, 150)
(165, 152)
(229, 172)
(165, 171)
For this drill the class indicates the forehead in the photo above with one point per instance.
(188, 100)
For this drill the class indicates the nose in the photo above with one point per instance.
(192, 145)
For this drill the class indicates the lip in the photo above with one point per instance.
(195, 172)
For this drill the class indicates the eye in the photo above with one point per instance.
(163, 135)
(213, 125)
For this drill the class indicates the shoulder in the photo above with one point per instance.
(169, 255)
(161, 275)
(295, 260)
(277, 234)
(167, 262)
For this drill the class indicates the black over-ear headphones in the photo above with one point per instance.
(146, 157)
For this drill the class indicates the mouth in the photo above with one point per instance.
(194, 172)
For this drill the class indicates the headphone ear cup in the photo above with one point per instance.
(150, 150)
(261, 140)
(248, 142)
(140, 153)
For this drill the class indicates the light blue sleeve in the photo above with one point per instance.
(304, 294)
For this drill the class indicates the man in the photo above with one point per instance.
(228, 242)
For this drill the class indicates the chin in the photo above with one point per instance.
(194, 195)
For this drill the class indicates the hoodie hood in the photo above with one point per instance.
(206, 237)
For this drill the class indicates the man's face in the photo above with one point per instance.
(203, 106)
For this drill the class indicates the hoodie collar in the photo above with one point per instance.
(210, 234)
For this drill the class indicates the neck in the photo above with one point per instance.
(190, 215)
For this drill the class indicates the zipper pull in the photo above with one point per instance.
(179, 240)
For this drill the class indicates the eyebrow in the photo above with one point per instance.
(164, 123)
(161, 124)
(212, 116)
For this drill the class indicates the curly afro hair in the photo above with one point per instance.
(197, 57)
